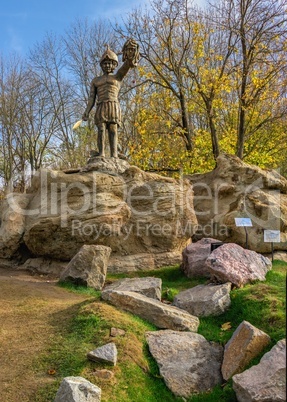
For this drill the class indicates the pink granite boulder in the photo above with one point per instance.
(194, 258)
(233, 263)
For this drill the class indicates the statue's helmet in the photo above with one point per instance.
(109, 55)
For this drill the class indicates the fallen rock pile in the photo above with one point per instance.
(188, 363)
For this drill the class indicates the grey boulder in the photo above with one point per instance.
(266, 381)
(149, 286)
(160, 314)
(188, 363)
(77, 389)
(88, 267)
(104, 354)
(204, 300)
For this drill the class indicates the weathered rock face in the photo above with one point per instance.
(232, 263)
(246, 343)
(204, 300)
(266, 381)
(78, 389)
(159, 314)
(194, 258)
(12, 223)
(188, 363)
(88, 267)
(234, 189)
(149, 286)
(133, 212)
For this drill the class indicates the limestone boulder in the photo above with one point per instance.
(154, 311)
(204, 300)
(138, 214)
(246, 343)
(12, 223)
(194, 258)
(88, 267)
(266, 381)
(232, 263)
(235, 189)
(78, 389)
(188, 363)
(148, 286)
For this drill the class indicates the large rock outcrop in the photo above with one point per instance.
(235, 189)
(145, 218)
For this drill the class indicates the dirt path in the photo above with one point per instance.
(31, 309)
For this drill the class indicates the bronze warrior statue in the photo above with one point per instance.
(106, 89)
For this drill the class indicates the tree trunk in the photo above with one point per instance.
(240, 134)
(213, 132)
(185, 125)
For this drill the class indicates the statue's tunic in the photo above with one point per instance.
(108, 107)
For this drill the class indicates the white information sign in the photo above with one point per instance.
(272, 236)
(243, 222)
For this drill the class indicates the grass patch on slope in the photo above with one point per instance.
(136, 375)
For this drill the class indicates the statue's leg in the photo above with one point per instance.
(101, 139)
(113, 139)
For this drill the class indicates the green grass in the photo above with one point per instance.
(136, 376)
(84, 290)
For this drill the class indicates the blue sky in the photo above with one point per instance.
(25, 22)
